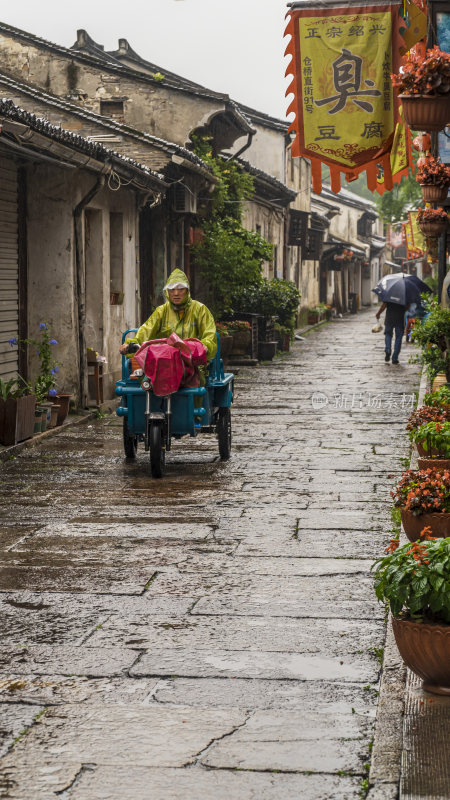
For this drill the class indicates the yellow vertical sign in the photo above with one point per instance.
(346, 91)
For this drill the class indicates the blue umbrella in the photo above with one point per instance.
(401, 289)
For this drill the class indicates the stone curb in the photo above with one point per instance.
(385, 767)
(75, 419)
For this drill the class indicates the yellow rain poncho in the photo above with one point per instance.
(191, 320)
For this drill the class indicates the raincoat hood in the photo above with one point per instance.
(178, 276)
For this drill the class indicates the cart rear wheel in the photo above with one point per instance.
(223, 428)
(130, 442)
(157, 450)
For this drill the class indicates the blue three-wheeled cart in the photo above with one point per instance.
(157, 420)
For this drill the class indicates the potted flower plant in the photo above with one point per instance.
(45, 382)
(434, 178)
(439, 399)
(432, 221)
(226, 338)
(423, 84)
(17, 404)
(413, 580)
(242, 336)
(433, 444)
(424, 500)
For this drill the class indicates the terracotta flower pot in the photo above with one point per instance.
(434, 228)
(63, 401)
(426, 453)
(413, 525)
(53, 416)
(426, 112)
(433, 194)
(425, 649)
(434, 463)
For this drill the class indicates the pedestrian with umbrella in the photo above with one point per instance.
(396, 293)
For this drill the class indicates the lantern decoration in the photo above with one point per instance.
(345, 109)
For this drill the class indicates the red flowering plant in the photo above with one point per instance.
(431, 171)
(431, 215)
(423, 491)
(223, 328)
(434, 438)
(426, 414)
(414, 580)
(429, 75)
(238, 325)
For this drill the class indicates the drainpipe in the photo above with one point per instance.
(243, 149)
(80, 269)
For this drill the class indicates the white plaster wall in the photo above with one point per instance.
(267, 151)
(52, 194)
(272, 228)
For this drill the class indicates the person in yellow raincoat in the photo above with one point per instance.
(180, 314)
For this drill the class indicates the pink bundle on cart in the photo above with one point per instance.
(172, 363)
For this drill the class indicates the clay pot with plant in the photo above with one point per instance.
(439, 399)
(413, 581)
(226, 339)
(434, 178)
(242, 336)
(433, 444)
(423, 497)
(423, 84)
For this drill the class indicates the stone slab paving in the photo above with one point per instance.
(213, 634)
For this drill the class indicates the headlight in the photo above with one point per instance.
(146, 384)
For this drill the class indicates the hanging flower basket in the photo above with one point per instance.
(432, 221)
(433, 228)
(426, 112)
(433, 194)
(423, 84)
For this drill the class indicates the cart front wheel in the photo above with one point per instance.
(130, 442)
(223, 428)
(157, 450)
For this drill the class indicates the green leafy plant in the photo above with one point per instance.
(228, 256)
(434, 436)
(46, 380)
(432, 334)
(272, 298)
(414, 579)
(439, 398)
(428, 75)
(14, 388)
(423, 491)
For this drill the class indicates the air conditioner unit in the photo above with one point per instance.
(184, 200)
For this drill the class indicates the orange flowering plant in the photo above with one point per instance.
(431, 215)
(426, 414)
(429, 75)
(423, 491)
(414, 580)
(432, 172)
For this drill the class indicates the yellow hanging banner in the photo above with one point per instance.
(346, 111)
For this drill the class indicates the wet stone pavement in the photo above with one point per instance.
(214, 634)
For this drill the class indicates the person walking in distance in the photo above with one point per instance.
(394, 322)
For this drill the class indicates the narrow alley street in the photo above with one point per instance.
(215, 634)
